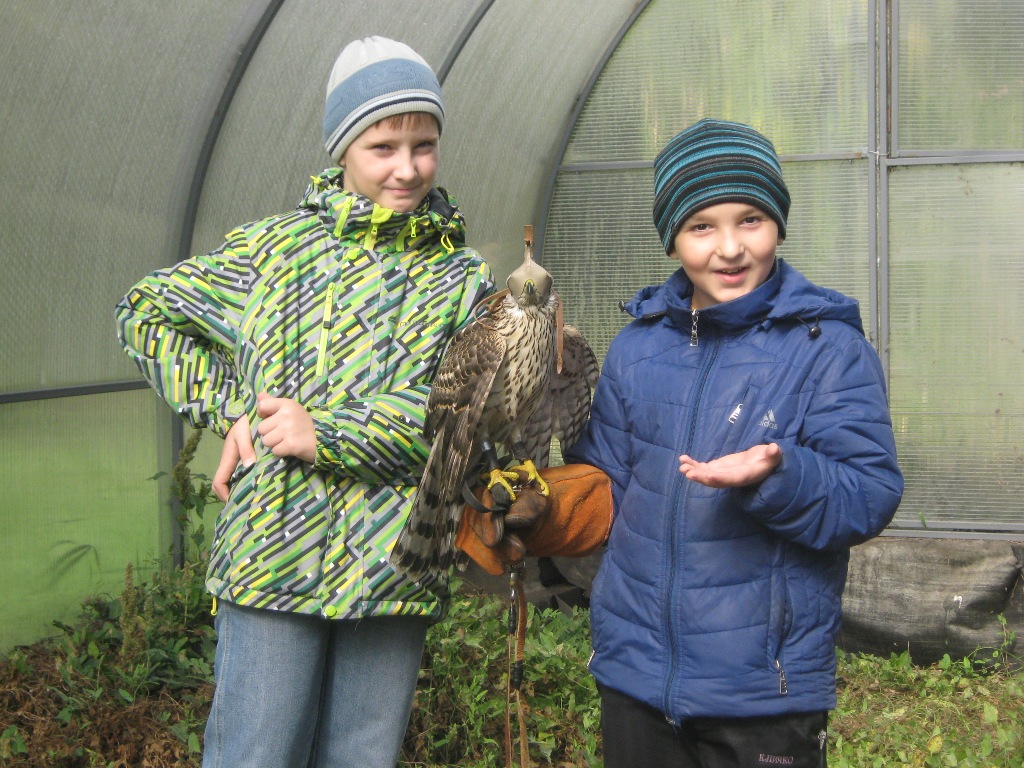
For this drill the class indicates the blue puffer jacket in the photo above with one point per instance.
(726, 602)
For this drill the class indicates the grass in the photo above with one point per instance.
(955, 713)
(128, 684)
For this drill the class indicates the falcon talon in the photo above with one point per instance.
(501, 489)
(542, 487)
(529, 469)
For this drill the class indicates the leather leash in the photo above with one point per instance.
(517, 616)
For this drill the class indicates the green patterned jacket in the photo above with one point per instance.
(346, 307)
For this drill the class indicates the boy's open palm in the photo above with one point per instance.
(734, 470)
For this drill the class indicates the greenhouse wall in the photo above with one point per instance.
(140, 133)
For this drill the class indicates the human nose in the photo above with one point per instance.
(405, 166)
(730, 246)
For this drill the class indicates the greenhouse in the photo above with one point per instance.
(138, 134)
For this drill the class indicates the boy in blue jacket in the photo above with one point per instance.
(742, 418)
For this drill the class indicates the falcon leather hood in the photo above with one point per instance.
(346, 307)
(726, 602)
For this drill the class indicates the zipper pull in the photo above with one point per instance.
(783, 688)
(325, 331)
(735, 415)
(693, 328)
(822, 738)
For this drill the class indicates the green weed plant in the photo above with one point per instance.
(459, 712)
(961, 714)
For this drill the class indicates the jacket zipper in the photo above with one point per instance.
(674, 523)
(783, 630)
(325, 332)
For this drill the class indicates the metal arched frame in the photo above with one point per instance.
(544, 207)
(248, 35)
(885, 155)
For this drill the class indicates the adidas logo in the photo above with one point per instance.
(768, 422)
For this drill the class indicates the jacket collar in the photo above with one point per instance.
(785, 295)
(350, 216)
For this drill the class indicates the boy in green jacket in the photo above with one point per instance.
(309, 340)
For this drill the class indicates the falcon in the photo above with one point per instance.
(512, 379)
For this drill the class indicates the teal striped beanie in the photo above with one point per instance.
(711, 162)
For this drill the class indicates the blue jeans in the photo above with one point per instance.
(297, 691)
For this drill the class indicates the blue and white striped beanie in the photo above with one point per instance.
(711, 162)
(372, 79)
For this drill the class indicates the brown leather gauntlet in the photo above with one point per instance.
(573, 521)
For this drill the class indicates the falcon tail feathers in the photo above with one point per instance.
(426, 545)
(426, 550)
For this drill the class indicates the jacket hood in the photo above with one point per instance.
(785, 296)
(350, 216)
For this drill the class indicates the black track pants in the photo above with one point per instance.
(638, 736)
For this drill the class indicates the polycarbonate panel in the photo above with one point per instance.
(98, 122)
(828, 231)
(957, 341)
(77, 504)
(754, 62)
(504, 112)
(598, 259)
(960, 75)
(510, 96)
(601, 248)
(272, 138)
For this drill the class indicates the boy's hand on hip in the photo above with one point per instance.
(734, 470)
(286, 427)
(238, 449)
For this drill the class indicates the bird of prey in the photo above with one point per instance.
(512, 378)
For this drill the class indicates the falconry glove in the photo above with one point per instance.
(574, 520)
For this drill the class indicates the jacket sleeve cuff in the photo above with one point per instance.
(230, 410)
(377, 441)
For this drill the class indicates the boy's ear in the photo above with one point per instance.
(781, 240)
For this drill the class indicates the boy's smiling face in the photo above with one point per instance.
(394, 162)
(727, 250)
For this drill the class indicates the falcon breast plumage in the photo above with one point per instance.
(512, 379)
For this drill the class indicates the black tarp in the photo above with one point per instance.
(933, 597)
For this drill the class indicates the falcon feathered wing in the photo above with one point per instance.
(564, 412)
(454, 407)
(572, 388)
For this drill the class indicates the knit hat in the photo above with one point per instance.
(372, 79)
(711, 162)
